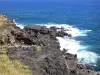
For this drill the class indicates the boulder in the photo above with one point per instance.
(53, 34)
(84, 66)
(34, 28)
(44, 30)
(53, 28)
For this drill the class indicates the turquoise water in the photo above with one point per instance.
(84, 15)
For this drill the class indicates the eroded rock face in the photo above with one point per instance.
(6, 23)
(47, 61)
(37, 35)
(37, 47)
(6, 26)
(83, 66)
(41, 52)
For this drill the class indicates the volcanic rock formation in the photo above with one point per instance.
(37, 47)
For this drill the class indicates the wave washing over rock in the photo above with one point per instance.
(19, 25)
(74, 46)
(71, 45)
(37, 46)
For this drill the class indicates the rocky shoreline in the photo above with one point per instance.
(37, 47)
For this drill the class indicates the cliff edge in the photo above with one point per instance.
(37, 47)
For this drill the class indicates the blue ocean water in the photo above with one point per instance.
(84, 15)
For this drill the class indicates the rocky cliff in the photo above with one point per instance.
(38, 48)
(6, 26)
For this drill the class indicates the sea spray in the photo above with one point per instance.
(18, 24)
(74, 46)
(75, 32)
(71, 45)
(87, 57)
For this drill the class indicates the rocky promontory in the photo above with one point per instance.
(37, 47)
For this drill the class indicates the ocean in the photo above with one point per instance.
(82, 17)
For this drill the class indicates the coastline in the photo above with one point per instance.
(73, 45)
(37, 47)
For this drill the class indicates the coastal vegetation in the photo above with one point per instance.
(35, 50)
(7, 66)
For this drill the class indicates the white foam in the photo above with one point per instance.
(18, 24)
(73, 46)
(70, 44)
(88, 57)
(68, 29)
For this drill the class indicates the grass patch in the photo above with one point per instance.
(38, 48)
(8, 67)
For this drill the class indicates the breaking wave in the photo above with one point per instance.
(74, 46)
(18, 24)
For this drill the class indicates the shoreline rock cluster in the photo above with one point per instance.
(37, 47)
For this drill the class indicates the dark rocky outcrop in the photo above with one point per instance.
(37, 47)
(37, 35)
